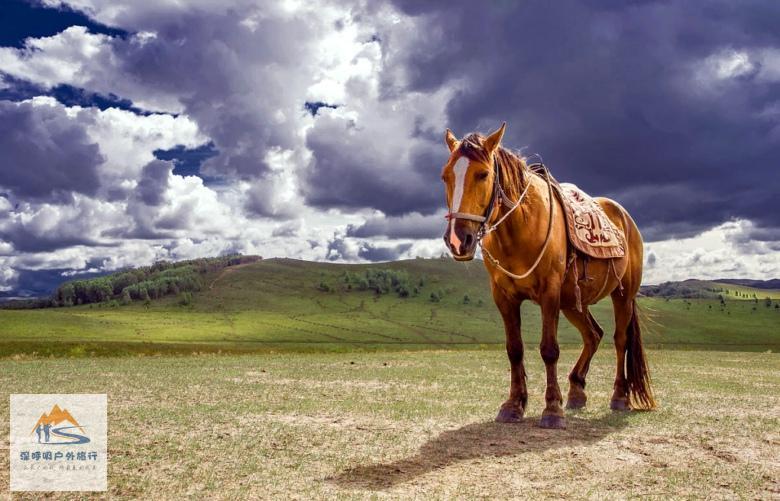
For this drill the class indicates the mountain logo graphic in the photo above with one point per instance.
(48, 432)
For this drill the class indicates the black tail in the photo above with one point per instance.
(637, 372)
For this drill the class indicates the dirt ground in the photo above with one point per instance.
(418, 424)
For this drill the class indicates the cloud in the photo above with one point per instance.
(314, 130)
(626, 97)
(343, 248)
(46, 153)
(728, 250)
(371, 252)
(414, 225)
(154, 182)
(290, 229)
(86, 60)
(51, 226)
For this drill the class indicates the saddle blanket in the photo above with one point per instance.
(590, 230)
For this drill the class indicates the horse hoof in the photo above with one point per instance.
(509, 414)
(575, 403)
(619, 404)
(551, 421)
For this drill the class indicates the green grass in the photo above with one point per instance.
(416, 425)
(275, 305)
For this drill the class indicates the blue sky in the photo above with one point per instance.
(137, 131)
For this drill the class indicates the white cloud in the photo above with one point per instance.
(725, 251)
(82, 59)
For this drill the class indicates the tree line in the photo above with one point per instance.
(163, 278)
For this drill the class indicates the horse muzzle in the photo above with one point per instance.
(461, 241)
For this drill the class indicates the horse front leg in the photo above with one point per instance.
(513, 409)
(553, 416)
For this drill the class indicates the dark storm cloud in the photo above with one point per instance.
(409, 226)
(351, 171)
(338, 250)
(154, 182)
(44, 154)
(374, 253)
(341, 248)
(230, 79)
(617, 96)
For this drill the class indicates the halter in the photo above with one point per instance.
(485, 228)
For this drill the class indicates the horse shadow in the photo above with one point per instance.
(481, 440)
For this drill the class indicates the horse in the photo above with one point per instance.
(496, 201)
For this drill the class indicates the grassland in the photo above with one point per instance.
(278, 305)
(325, 391)
(416, 424)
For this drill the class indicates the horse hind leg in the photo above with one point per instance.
(632, 379)
(591, 333)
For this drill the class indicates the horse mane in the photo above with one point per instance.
(512, 167)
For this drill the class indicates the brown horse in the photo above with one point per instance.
(528, 257)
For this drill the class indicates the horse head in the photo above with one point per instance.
(470, 183)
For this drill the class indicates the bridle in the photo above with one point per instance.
(498, 195)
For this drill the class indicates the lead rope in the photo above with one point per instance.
(512, 208)
(546, 238)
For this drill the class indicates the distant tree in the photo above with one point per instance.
(768, 302)
(185, 298)
(466, 299)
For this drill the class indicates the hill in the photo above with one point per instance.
(727, 288)
(756, 284)
(285, 304)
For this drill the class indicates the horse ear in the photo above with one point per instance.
(451, 140)
(494, 139)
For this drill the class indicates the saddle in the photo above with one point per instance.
(588, 228)
(590, 232)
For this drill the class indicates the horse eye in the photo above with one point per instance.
(482, 175)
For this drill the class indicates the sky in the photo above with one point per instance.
(137, 131)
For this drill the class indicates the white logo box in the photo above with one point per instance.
(59, 442)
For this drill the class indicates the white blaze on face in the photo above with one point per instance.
(460, 168)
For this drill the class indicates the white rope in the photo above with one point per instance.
(546, 239)
(515, 206)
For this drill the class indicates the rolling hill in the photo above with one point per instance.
(291, 305)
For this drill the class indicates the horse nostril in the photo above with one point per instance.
(468, 241)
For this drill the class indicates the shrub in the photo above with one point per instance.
(185, 298)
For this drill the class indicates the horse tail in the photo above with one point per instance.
(637, 371)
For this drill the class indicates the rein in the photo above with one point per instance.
(486, 228)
